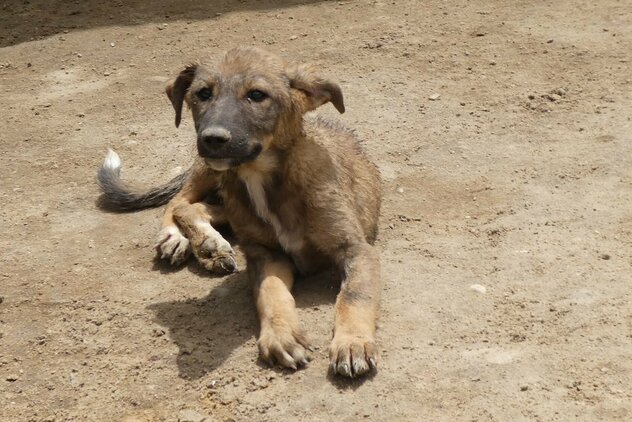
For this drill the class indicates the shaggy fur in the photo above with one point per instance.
(299, 194)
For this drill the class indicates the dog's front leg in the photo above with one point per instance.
(188, 222)
(209, 247)
(281, 339)
(171, 243)
(353, 351)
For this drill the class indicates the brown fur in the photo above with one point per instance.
(308, 200)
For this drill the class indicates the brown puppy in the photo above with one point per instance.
(297, 191)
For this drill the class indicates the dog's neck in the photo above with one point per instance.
(256, 177)
(265, 164)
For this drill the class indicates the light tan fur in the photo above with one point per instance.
(308, 200)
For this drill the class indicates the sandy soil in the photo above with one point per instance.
(503, 132)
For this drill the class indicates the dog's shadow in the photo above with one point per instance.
(207, 330)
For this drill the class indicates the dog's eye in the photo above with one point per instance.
(257, 96)
(204, 94)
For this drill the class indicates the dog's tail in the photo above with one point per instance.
(117, 196)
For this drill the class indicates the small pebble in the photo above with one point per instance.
(604, 256)
(524, 387)
(293, 37)
(400, 190)
(434, 97)
(552, 97)
(478, 288)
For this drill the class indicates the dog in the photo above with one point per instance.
(297, 190)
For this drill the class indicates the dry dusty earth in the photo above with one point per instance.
(503, 132)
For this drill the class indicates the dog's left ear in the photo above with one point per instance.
(177, 88)
(317, 91)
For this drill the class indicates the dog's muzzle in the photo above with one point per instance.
(217, 143)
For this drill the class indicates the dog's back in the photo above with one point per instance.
(352, 173)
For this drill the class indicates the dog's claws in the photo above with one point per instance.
(344, 370)
(373, 363)
(228, 264)
(360, 367)
(224, 264)
(172, 245)
(352, 358)
(216, 256)
(286, 360)
(283, 348)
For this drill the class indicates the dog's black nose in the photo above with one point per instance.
(215, 140)
(214, 136)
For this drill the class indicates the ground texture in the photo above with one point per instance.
(503, 133)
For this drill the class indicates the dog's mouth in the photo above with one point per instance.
(223, 162)
(251, 156)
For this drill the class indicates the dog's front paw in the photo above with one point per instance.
(172, 245)
(352, 356)
(216, 255)
(284, 346)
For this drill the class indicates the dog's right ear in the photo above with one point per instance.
(177, 88)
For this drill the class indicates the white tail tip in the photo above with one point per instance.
(112, 160)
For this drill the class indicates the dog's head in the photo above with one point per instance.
(250, 101)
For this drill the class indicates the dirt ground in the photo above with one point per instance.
(503, 133)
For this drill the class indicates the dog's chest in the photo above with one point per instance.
(283, 218)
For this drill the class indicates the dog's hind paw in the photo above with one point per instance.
(216, 255)
(172, 245)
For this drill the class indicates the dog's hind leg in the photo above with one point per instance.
(281, 339)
